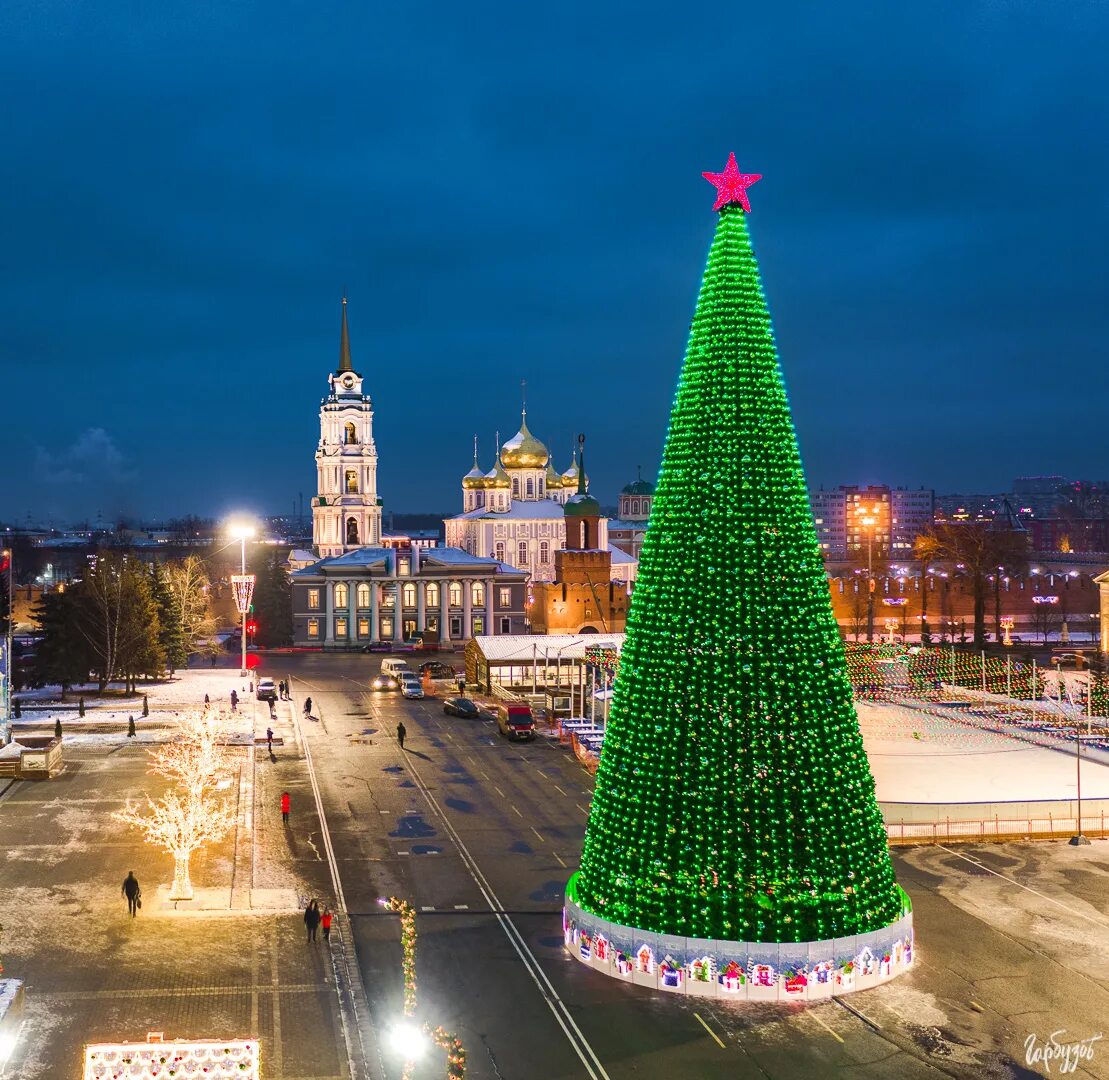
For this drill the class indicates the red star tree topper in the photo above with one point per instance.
(731, 185)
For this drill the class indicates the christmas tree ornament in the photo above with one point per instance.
(734, 825)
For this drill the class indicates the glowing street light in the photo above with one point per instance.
(243, 583)
(867, 519)
(407, 1040)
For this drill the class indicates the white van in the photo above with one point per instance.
(392, 665)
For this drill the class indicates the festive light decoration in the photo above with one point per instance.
(731, 185)
(192, 814)
(456, 1053)
(407, 915)
(243, 585)
(162, 1060)
(733, 800)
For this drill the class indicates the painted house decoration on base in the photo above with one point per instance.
(734, 845)
(157, 1060)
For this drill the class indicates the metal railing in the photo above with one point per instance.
(996, 829)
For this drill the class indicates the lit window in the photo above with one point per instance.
(477, 594)
(506, 596)
(314, 628)
(479, 626)
(521, 554)
(352, 482)
(433, 594)
(454, 593)
(363, 627)
(341, 595)
(408, 594)
(313, 599)
(404, 566)
(350, 438)
(363, 595)
(340, 627)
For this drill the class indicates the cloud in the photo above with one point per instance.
(93, 461)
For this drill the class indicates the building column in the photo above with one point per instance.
(373, 611)
(328, 612)
(466, 582)
(398, 612)
(444, 610)
(420, 586)
(490, 616)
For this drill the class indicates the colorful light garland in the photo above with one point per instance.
(407, 915)
(733, 799)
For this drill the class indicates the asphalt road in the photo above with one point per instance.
(481, 835)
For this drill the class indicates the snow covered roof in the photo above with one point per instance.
(620, 556)
(518, 648)
(453, 556)
(615, 524)
(367, 557)
(519, 510)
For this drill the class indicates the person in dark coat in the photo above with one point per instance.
(234, 701)
(269, 739)
(312, 919)
(132, 891)
(307, 706)
(206, 701)
(401, 732)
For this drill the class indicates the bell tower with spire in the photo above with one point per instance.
(346, 512)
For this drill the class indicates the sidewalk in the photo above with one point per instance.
(94, 974)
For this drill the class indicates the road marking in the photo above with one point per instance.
(402, 852)
(976, 1007)
(582, 809)
(518, 814)
(542, 774)
(710, 1031)
(499, 792)
(1027, 888)
(461, 907)
(537, 833)
(560, 862)
(559, 790)
(835, 1034)
(383, 811)
(580, 1044)
(425, 908)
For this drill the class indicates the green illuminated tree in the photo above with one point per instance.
(734, 799)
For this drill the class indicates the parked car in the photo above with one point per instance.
(266, 690)
(515, 721)
(384, 682)
(461, 706)
(395, 667)
(378, 646)
(410, 687)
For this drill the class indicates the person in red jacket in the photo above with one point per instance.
(325, 922)
(285, 807)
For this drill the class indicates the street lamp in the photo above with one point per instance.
(243, 583)
(867, 518)
(8, 566)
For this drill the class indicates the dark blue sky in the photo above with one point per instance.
(513, 191)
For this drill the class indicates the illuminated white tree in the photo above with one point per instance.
(192, 814)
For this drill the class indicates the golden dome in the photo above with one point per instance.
(524, 450)
(496, 477)
(554, 481)
(570, 476)
(473, 480)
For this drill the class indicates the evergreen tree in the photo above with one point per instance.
(171, 635)
(118, 619)
(273, 603)
(62, 655)
(734, 800)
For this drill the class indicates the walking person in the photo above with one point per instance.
(285, 808)
(401, 732)
(206, 701)
(325, 922)
(269, 739)
(312, 919)
(307, 706)
(234, 701)
(133, 893)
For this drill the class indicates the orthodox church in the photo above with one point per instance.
(515, 512)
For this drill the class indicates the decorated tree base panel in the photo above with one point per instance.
(739, 970)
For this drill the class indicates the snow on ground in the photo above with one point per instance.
(924, 757)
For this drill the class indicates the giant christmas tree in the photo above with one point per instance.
(734, 800)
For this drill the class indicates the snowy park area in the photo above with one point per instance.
(919, 755)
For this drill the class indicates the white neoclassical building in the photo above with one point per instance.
(346, 512)
(514, 513)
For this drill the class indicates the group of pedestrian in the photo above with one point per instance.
(314, 918)
(283, 691)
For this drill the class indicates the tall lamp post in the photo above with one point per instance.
(7, 566)
(243, 584)
(867, 518)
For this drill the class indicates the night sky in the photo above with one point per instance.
(513, 191)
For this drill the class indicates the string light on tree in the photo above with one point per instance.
(734, 802)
